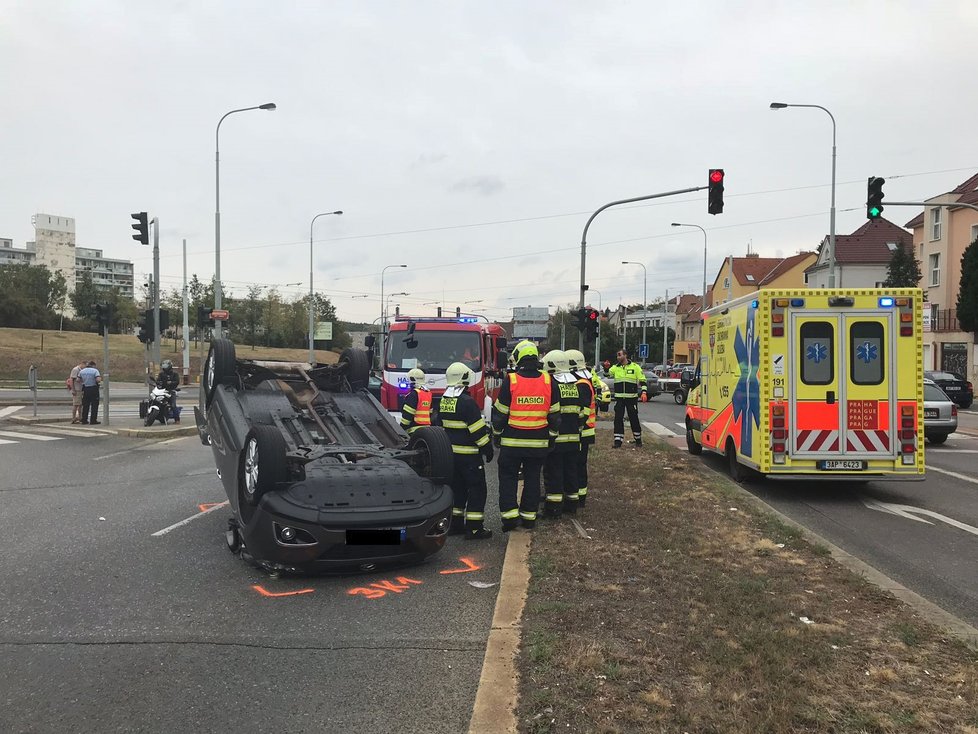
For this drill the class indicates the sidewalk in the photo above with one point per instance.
(121, 425)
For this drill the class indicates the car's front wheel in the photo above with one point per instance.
(263, 464)
(679, 396)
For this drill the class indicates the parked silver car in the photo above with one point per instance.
(940, 414)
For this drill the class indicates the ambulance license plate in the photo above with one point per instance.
(842, 465)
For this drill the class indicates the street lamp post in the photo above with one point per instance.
(217, 210)
(781, 106)
(680, 224)
(645, 295)
(597, 335)
(312, 299)
(383, 324)
(388, 303)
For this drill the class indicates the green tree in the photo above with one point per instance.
(903, 270)
(968, 292)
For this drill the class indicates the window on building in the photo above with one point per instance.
(974, 232)
(935, 269)
(726, 282)
(935, 223)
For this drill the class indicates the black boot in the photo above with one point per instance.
(528, 524)
(458, 525)
(570, 506)
(638, 442)
(510, 524)
(552, 510)
(581, 500)
(616, 444)
(478, 534)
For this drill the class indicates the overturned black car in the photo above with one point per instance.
(319, 476)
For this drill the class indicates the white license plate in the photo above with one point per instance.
(952, 388)
(842, 465)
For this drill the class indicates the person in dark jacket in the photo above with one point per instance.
(168, 379)
(560, 468)
(462, 420)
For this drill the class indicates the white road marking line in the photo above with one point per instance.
(681, 425)
(952, 451)
(660, 430)
(10, 409)
(176, 525)
(954, 474)
(29, 436)
(965, 436)
(2, 441)
(74, 432)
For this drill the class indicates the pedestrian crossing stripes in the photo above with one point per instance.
(46, 433)
(660, 430)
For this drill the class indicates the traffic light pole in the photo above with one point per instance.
(156, 291)
(588, 225)
(106, 378)
(186, 321)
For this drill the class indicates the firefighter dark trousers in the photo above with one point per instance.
(631, 405)
(469, 491)
(511, 510)
(560, 480)
(582, 474)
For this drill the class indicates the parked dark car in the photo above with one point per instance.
(320, 477)
(956, 387)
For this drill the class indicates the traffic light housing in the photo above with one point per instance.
(715, 198)
(141, 225)
(591, 324)
(103, 316)
(580, 320)
(874, 197)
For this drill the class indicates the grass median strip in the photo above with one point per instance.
(690, 611)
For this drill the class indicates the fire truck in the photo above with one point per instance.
(431, 343)
(812, 384)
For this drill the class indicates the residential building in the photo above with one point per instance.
(862, 258)
(940, 237)
(54, 248)
(686, 348)
(739, 276)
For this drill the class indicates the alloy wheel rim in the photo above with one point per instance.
(210, 373)
(251, 467)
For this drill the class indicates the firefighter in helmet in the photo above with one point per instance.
(560, 469)
(588, 382)
(525, 418)
(416, 411)
(462, 420)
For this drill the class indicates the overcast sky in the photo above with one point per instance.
(471, 140)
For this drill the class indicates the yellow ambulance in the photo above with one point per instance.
(812, 384)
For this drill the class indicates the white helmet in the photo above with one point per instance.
(555, 362)
(457, 374)
(416, 377)
(575, 360)
(166, 364)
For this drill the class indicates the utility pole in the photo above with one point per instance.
(186, 321)
(665, 327)
(156, 291)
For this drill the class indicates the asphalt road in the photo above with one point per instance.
(104, 627)
(921, 534)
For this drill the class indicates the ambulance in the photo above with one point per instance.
(812, 384)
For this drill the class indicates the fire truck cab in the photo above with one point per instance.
(812, 384)
(432, 344)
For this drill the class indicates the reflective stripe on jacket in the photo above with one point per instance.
(417, 410)
(463, 422)
(527, 411)
(629, 380)
(588, 431)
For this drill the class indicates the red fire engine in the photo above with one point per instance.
(431, 344)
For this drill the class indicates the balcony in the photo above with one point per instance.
(944, 319)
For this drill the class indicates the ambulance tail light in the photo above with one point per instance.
(908, 434)
(907, 448)
(779, 434)
(778, 448)
(906, 331)
(777, 331)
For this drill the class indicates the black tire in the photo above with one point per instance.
(357, 368)
(263, 464)
(694, 448)
(219, 369)
(936, 438)
(150, 419)
(733, 466)
(232, 537)
(679, 396)
(966, 404)
(437, 460)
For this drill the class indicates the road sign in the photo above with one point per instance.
(323, 332)
(643, 351)
(219, 314)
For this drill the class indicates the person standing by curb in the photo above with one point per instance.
(91, 378)
(75, 386)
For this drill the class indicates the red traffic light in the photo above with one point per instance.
(716, 175)
(592, 315)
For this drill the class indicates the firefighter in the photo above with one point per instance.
(629, 388)
(416, 411)
(462, 420)
(588, 382)
(560, 469)
(525, 418)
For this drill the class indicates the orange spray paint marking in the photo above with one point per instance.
(205, 506)
(469, 567)
(379, 589)
(266, 592)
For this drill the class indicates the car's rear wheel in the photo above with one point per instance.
(936, 438)
(263, 464)
(437, 460)
(357, 368)
(694, 448)
(965, 404)
(733, 466)
(219, 369)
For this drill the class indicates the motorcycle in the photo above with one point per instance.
(160, 405)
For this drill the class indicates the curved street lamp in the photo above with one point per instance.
(645, 297)
(680, 224)
(217, 211)
(312, 299)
